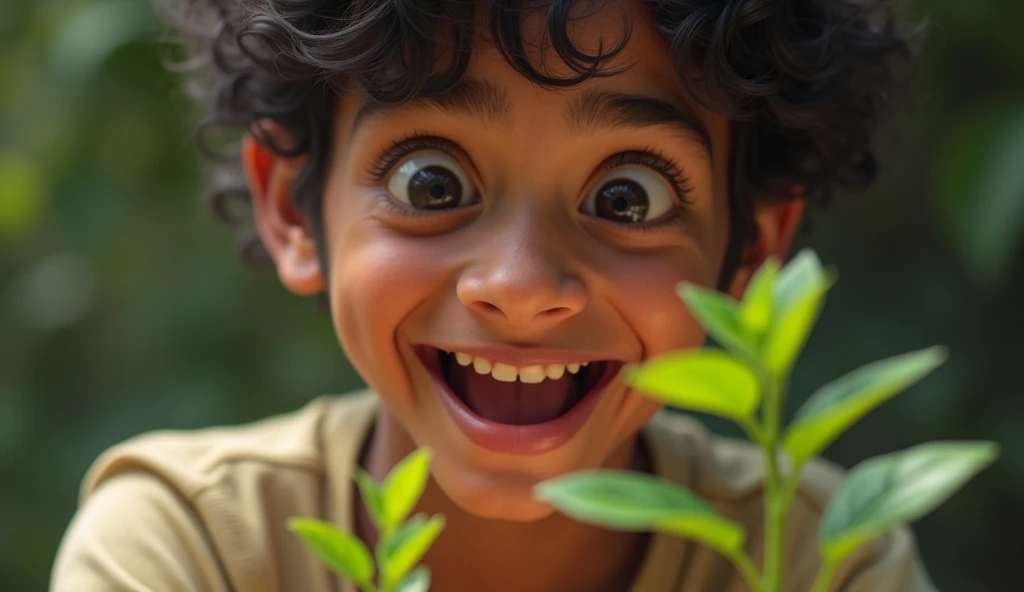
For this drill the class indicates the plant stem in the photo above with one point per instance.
(753, 432)
(776, 494)
(774, 516)
(824, 577)
(383, 535)
(746, 568)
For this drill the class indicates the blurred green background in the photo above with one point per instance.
(123, 307)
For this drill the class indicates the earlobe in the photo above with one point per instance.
(776, 222)
(284, 231)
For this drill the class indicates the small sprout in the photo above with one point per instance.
(402, 542)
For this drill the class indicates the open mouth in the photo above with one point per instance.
(517, 395)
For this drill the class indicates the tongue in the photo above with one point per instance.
(513, 403)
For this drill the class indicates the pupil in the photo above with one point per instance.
(622, 200)
(434, 188)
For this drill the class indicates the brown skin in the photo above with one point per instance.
(524, 267)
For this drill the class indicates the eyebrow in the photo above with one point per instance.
(488, 103)
(602, 110)
(480, 99)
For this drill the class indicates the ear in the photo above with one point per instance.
(283, 229)
(776, 222)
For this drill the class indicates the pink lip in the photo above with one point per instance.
(512, 439)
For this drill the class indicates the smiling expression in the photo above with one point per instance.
(504, 230)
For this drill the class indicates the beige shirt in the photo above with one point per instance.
(206, 510)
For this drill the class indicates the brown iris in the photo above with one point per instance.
(434, 188)
(622, 200)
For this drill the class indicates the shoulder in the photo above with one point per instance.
(136, 533)
(193, 460)
(730, 474)
(197, 509)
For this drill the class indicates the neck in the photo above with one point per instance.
(473, 553)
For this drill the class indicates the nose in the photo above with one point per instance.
(522, 277)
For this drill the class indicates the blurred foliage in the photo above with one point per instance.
(123, 308)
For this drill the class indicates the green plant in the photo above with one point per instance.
(402, 542)
(746, 383)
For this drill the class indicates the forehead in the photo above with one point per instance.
(638, 87)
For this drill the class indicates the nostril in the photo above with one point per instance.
(488, 307)
(558, 311)
(551, 313)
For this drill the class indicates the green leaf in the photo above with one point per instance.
(757, 308)
(709, 381)
(797, 278)
(885, 492)
(418, 580)
(397, 537)
(406, 546)
(403, 487)
(799, 295)
(338, 550)
(372, 499)
(838, 405)
(720, 317)
(625, 500)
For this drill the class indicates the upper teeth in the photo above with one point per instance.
(509, 373)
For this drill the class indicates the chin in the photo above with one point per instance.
(492, 497)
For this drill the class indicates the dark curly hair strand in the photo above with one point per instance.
(805, 82)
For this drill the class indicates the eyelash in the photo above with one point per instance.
(394, 153)
(403, 147)
(650, 157)
(656, 160)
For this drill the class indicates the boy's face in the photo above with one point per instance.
(523, 231)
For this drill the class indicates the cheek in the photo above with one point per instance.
(645, 294)
(378, 278)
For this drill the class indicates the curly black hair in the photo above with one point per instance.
(805, 82)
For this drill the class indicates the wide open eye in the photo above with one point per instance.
(431, 180)
(630, 194)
